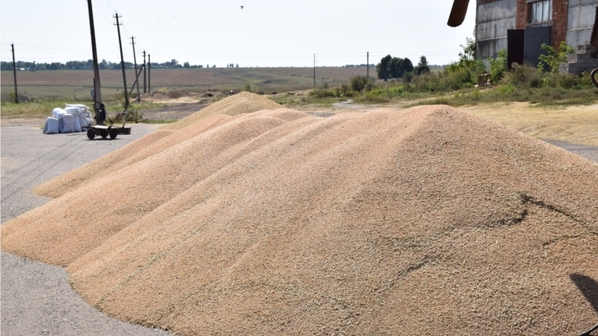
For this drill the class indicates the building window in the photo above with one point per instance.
(540, 11)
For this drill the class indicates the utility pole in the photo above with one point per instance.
(144, 74)
(14, 71)
(314, 71)
(135, 62)
(149, 77)
(368, 65)
(100, 113)
(122, 62)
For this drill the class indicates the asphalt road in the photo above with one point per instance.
(36, 297)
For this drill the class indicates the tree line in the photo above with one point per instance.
(88, 65)
(396, 68)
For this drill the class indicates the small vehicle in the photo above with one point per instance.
(108, 130)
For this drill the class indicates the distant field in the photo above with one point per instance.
(77, 84)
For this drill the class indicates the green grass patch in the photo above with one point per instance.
(31, 110)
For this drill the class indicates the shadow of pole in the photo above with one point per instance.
(589, 288)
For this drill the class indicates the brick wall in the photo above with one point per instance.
(559, 19)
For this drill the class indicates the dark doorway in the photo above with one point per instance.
(515, 46)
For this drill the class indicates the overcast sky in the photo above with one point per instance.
(263, 33)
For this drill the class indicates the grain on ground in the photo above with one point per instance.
(386, 222)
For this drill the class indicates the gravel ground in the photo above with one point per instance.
(36, 297)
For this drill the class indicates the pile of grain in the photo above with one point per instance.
(422, 221)
(145, 147)
(243, 102)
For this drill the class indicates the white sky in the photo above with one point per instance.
(263, 33)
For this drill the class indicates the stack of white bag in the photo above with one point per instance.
(73, 118)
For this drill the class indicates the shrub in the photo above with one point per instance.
(524, 76)
(345, 91)
(361, 83)
(553, 58)
(567, 81)
(498, 66)
(322, 93)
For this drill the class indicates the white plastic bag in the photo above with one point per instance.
(76, 123)
(83, 120)
(68, 125)
(58, 113)
(73, 110)
(51, 126)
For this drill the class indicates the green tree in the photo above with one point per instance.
(395, 67)
(467, 59)
(382, 67)
(466, 56)
(422, 67)
(186, 65)
(406, 67)
(498, 66)
(553, 58)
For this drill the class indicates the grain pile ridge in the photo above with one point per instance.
(242, 102)
(419, 221)
(156, 142)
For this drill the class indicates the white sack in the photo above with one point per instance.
(58, 113)
(76, 123)
(83, 120)
(51, 126)
(73, 110)
(68, 125)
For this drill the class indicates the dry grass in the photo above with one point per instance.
(422, 221)
(575, 124)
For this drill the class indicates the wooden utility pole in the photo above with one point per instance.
(100, 114)
(144, 74)
(14, 71)
(368, 65)
(149, 77)
(314, 71)
(135, 62)
(122, 62)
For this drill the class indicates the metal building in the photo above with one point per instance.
(522, 26)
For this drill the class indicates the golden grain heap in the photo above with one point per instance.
(421, 221)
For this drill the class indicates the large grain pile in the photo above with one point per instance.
(422, 221)
(156, 142)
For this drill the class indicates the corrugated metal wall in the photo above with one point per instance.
(494, 18)
(580, 21)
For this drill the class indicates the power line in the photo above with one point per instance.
(102, 10)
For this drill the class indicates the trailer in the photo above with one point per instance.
(106, 131)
